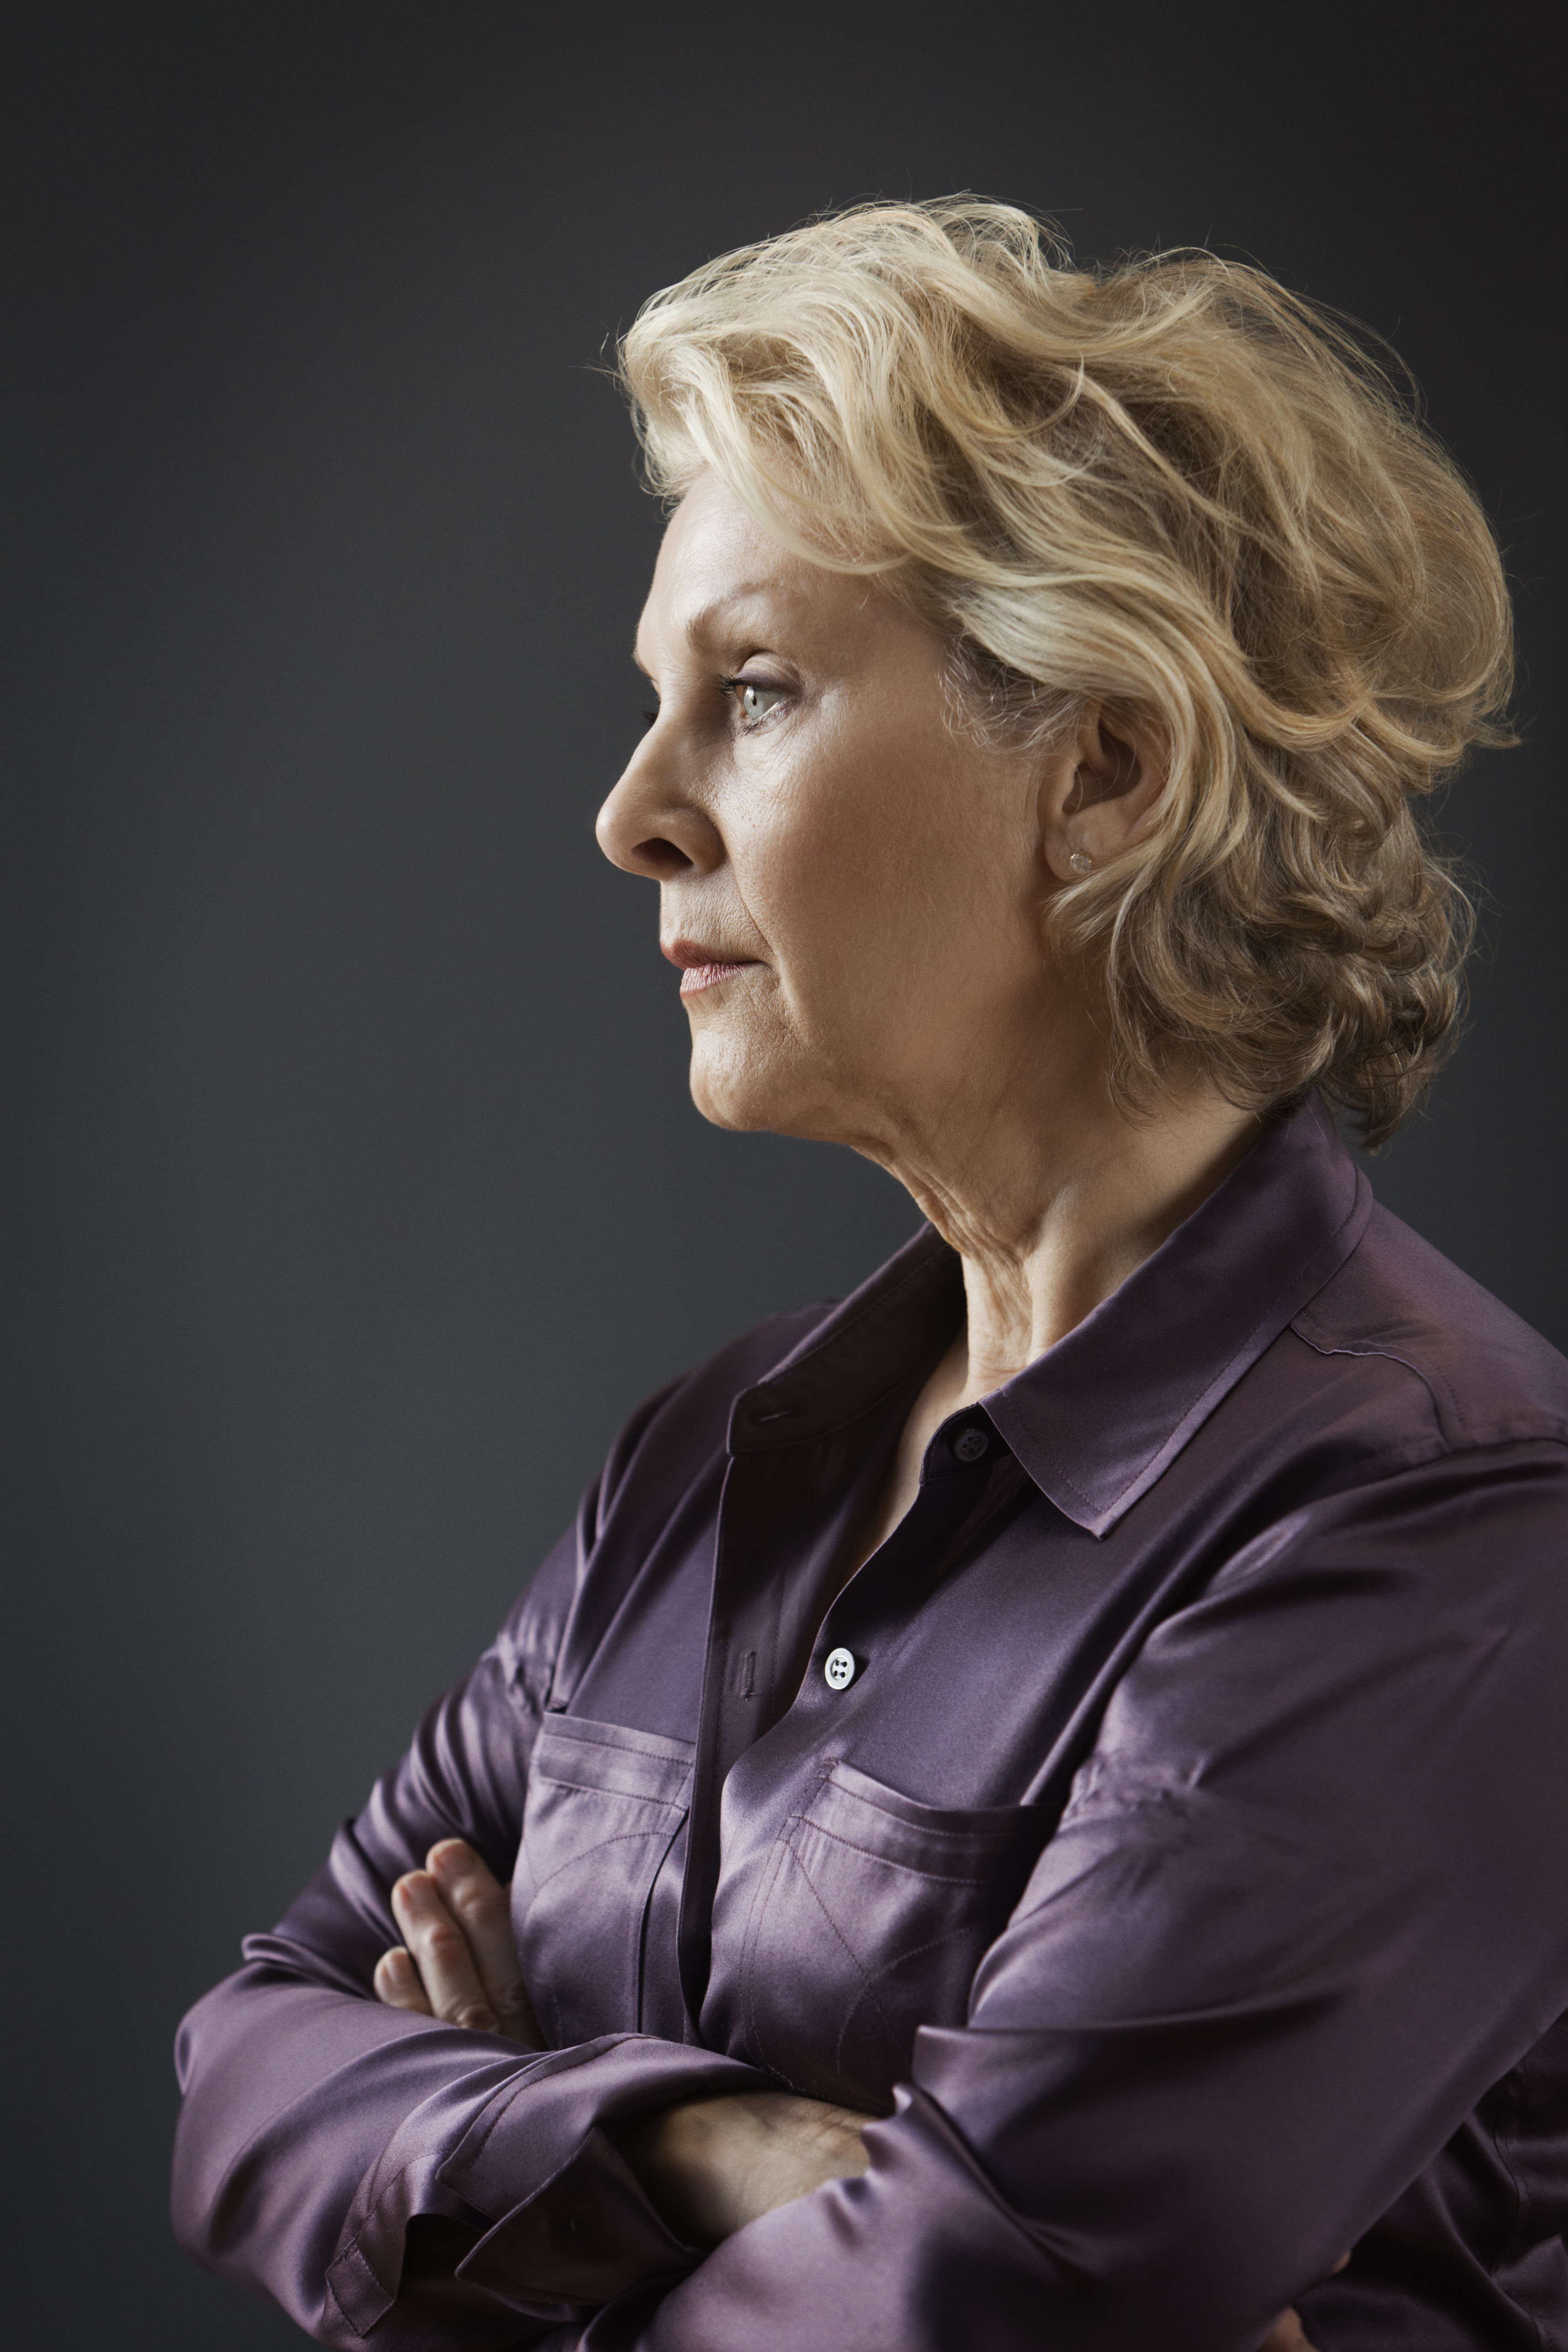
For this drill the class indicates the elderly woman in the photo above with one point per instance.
(1029, 1811)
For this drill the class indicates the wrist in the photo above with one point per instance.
(669, 2154)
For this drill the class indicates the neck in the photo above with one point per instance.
(1051, 1212)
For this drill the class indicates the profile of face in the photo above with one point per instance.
(852, 883)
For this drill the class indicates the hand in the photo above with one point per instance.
(458, 1963)
(709, 2165)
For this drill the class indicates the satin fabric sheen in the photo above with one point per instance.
(1180, 1879)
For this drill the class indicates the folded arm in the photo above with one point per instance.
(709, 2165)
(371, 2167)
(1293, 1927)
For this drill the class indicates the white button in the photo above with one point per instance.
(970, 1444)
(838, 1669)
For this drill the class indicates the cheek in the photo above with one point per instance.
(832, 881)
(887, 881)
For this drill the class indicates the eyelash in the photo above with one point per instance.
(729, 685)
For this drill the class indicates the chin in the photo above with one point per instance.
(754, 1093)
(744, 1109)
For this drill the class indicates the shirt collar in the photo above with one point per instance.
(1097, 1418)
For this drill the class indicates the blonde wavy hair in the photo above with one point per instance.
(1174, 488)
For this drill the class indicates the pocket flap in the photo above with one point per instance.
(574, 1752)
(968, 1842)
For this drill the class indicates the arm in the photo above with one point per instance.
(326, 2137)
(1298, 1917)
(709, 2165)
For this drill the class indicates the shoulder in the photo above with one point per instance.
(1398, 1303)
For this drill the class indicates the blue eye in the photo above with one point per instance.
(757, 701)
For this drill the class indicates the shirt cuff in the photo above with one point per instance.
(565, 2225)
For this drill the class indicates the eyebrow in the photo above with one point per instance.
(706, 614)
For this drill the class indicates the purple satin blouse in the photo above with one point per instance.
(1165, 1833)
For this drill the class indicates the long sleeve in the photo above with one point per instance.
(1160, 1834)
(1306, 1904)
(373, 2169)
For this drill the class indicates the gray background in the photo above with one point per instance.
(358, 1196)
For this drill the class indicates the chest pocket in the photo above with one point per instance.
(603, 1807)
(871, 1919)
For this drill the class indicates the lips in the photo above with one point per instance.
(703, 967)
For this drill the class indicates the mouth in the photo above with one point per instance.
(702, 967)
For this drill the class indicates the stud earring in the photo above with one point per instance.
(1080, 862)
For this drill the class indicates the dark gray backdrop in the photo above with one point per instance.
(359, 1194)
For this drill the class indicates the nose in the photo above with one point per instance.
(649, 825)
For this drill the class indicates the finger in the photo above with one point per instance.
(481, 1906)
(440, 1951)
(396, 1981)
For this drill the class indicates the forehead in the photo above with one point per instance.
(718, 567)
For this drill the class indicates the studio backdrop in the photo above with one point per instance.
(357, 1194)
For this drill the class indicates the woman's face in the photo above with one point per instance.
(851, 885)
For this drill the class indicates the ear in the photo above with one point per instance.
(1101, 792)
